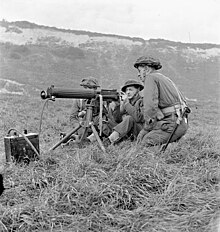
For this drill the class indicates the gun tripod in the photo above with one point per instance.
(86, 124)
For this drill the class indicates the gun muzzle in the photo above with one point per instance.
(43, 95)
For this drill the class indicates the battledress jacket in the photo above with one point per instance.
(134, 108)
(159, 93)
(132, 117)
(77, 106)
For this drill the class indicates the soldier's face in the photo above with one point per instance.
(142, 72)
(131, 91)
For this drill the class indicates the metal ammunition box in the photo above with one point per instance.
(17, 149)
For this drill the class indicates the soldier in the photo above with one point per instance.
(163, 105)
(79, 107)
(132, 119)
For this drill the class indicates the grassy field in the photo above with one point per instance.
(127, 189)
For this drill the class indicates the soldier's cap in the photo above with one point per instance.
(149, 61)
(90, 82)
(134, 83)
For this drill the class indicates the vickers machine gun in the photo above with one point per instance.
(92, 95)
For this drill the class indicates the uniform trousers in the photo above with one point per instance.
(128, 126)
(162, 131)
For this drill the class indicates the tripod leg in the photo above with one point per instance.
(84, 134)
(98, 138)
(66, 137)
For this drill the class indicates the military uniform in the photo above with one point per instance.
(132, 117)
(163, 106)
(128, 117)
(79, 106)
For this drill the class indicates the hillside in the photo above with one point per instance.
(37, 56)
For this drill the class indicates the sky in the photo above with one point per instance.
(187, 21)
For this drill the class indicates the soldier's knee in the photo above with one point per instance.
(180, 132)
(152, 139)
(128, 118)
(147, 142)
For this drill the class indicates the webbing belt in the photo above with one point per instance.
(177, 109)
(171, 109)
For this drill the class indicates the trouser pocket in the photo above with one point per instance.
(167, 126)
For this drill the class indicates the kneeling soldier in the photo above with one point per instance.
(164, 105)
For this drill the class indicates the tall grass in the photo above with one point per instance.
(126, 189)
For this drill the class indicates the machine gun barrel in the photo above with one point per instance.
(55, 92)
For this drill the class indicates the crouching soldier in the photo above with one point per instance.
(164, 105)
(78, 110)
(79, 105)
(130, 113)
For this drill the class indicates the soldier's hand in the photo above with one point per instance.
(124, 97)
(113, 105)
(81, 114)
(141, 136)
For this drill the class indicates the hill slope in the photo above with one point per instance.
(39, 56)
